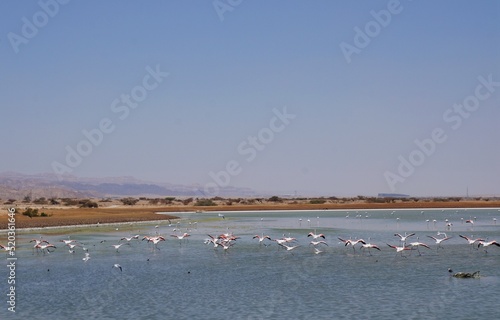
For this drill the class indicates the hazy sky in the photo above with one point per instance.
(323, 97)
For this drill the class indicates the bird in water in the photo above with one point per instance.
(474, 275)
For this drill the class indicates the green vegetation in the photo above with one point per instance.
(317, 201)
(29, 212)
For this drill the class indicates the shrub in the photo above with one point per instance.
(205, 202)
(317, 201)
(275, 199)
(30, 212)
(154, 201)
(41, 200)
(86, 203)
(69, 202)
(378, 200)
(168, 200)
(129, 201)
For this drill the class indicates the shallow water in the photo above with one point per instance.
(189, 279)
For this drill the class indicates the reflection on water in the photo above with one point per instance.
(190, 279)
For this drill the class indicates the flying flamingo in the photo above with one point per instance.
(181, 236)
(470, 240)
(213, 240)
(289, 239)
(369, 246)
(44, 247)
(72, 245)
(117, 246)
(7, 249)
(228, 236)
(403, 238)
(352, 242)
(130, 239)
(116, 265)
(400, 249)
(156, 240)
(417, 245)
(66, 242)
(289, 248)
(261, 238)
(316, 236)
(487, 244)
(439, 240)
(37, 242)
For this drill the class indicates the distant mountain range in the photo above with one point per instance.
(15, 185)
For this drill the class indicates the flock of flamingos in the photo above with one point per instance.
(407, 242)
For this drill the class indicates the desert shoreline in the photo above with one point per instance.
(67, 217)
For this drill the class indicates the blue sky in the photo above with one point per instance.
(353, 121)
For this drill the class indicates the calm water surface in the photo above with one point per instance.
(190, 279)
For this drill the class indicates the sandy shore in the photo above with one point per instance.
(63, 216)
